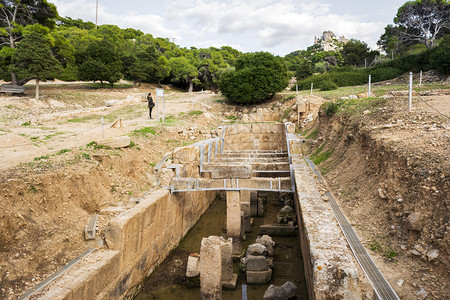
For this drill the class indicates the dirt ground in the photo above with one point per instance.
(52, 178)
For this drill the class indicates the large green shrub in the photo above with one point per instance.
(328, 85)
(257, 77)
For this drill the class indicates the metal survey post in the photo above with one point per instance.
(160, 93)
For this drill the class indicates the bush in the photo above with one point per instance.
(328, 85)
(257, 77)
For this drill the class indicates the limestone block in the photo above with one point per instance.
(226, 246)
(286, 214)
(116, 142)
(183, 155)
(256, 249)
(231, 171)
(257, 263)
(259, 277)
(193, 269)
(210, 270)
(278, 229)
(234, 220)
(290, 128)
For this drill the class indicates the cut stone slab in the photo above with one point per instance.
(278, 229)
(116, 142)
(257, 263)
(230, 284)
(112, 210)
(260, 277)
(231, 171)
(192, 269)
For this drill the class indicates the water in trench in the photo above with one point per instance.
(168, 280)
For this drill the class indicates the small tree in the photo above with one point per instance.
(100, 62)
(182, 70)
(423, 21)
(257, 77)
(33, 57)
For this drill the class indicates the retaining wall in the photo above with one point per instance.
(138, 240)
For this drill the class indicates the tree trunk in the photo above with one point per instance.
(134, 83)
(191, 86)
(37, 88)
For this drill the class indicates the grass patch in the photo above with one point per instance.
(380, 245)
(62, 151)
(287, 98)
(195, 113)
(144, 131)
(170, 121)
(42, 157)
(33, 189)
(313, 134)
(25, 124)
(85, 155)
(84, 119)
(232, 118)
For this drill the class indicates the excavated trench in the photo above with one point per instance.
(168, 281)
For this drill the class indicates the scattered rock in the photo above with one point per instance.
(432, 254)
(400, 282)
(283, 292)
(422, 294)
(381, 193)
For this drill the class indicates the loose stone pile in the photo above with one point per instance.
(259, 260)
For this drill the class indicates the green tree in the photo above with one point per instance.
(257, 77)
(183, 71)
(33, 57)
(305, 69)
(423, 21)
(100, 62)
(354, 52)
(16, 14)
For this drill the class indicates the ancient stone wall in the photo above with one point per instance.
(254, 137)
(137, 241)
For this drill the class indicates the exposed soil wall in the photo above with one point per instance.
(392, 181)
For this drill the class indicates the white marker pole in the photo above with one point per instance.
(103, 129)
(370, 82)
(312, 85)
(420, 82)
(410, 91)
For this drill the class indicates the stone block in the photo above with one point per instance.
(268, 242)
(256, 249)
(210, 270)
(234, 220)
(259, 277)
(193, 269)
(278, 229)
(230, 284)
(290, 128)
(257, 263)
(116, 142)
(231, 171)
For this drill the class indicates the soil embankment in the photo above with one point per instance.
(390, 172)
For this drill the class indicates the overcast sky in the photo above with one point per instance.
(279, 27)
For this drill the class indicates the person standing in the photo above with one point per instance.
(151, 104)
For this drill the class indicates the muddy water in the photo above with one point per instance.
(288, 264)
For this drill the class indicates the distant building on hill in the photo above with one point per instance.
(329, 42)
